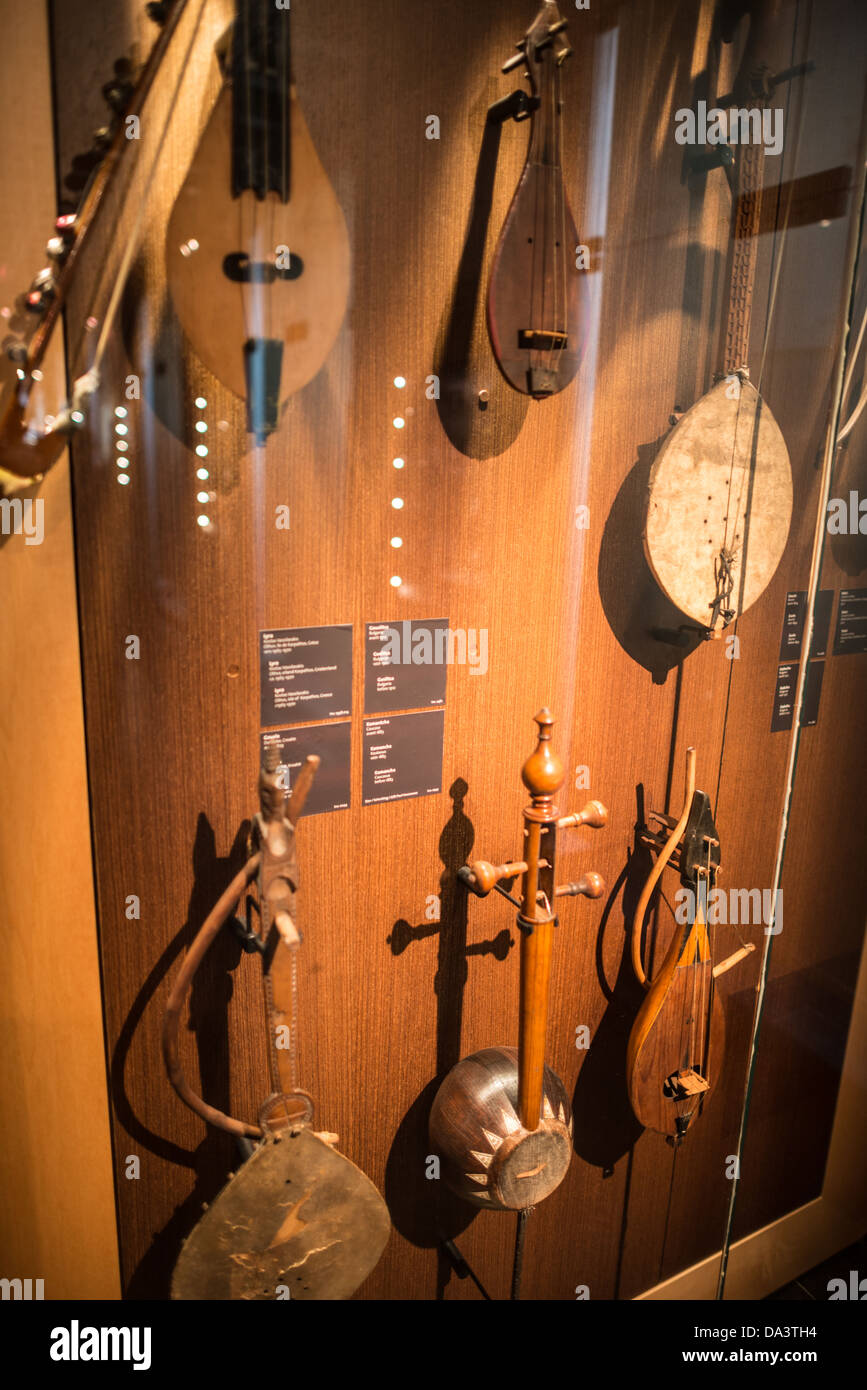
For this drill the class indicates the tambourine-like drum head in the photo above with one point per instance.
(298, 1220)
(488, 1157)
(722, 481)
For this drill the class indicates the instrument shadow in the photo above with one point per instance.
(604, 1125)
(464, 360)
(213, 1158)
(648, 626)
(423, 1209)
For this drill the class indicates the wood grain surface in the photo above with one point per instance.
(390, 999)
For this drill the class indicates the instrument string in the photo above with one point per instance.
(534, 279)
(551, 151)
(564, 250)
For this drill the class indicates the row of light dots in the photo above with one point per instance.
(202, 472)
(397, 502)
(121, 443)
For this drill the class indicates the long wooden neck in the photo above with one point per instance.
(542, 774)
(544, 141)
(261, 71)
(751, 94)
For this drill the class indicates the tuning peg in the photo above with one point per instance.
(516, 62)
(117, 94)
(102, 138)
(480, 876)
(591, 885)
(41, 292)
(594, 814)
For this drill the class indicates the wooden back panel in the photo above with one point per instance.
(390, 999)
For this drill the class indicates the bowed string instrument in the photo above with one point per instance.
(31, 441)
(297, 1219)
(720, 490)
(537, 300)
(501, 1120)
(675, 1049)
(257, 248)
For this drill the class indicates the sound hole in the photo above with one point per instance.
(238, 267)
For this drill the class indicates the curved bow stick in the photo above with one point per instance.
(656, 872)
(676, 1045)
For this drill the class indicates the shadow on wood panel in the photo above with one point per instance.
(212, 990)
(422, 1209)
(465, 363)
(648, 626)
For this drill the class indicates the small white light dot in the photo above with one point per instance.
(20, 375)
(122, 463)
(36, 374)
(397, 503)
(202, 497)
(201, 426)
(825, 222)
(400, 382)
(120, 412)
(202, 473)
(185, 250)
(121, 445)
(193, 244)
(6, 312)
(202, 451)
(203, 521)
(397, 463)
(222, 424)
(396, 542)
(200, 402)
(121, 429)
(395, 581)
(77, 417)
(123, 477)
(398, 422)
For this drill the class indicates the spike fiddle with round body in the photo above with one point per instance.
(501, 1120)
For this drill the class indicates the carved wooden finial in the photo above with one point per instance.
(542, 773)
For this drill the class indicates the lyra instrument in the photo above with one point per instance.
(675, 1049)
(501, 1119)
(720, 490)
(297, 1220)
(536, 296)
(257, 248)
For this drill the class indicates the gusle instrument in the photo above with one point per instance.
(297, 1220)
(501, 1119)
(536, 295)
(675, 1049)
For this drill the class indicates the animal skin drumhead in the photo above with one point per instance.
(721, 482)
(298, 1220)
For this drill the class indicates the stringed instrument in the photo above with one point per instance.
(257, 248)
(30, 445)
(720, 489)
(501, 1119)
(298, 1219)
(675, 1049)
(537, 299)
